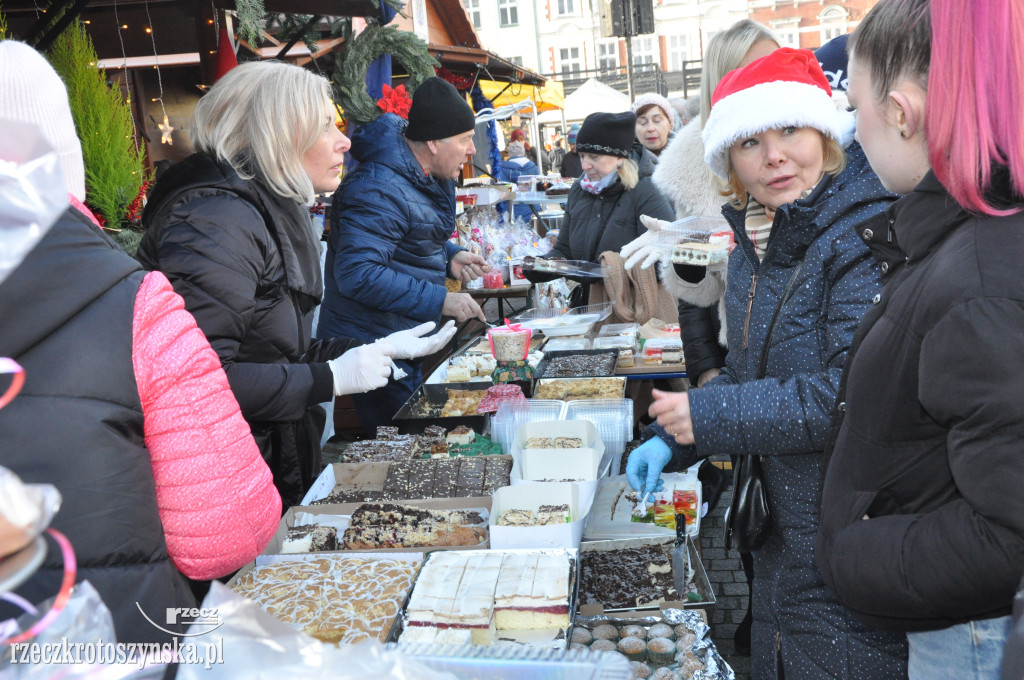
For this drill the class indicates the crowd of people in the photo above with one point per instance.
(859, 342)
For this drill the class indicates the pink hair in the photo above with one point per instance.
(975, 107)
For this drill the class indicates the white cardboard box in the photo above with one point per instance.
(531, 497)
(580, 464)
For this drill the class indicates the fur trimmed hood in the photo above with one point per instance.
(682, 176)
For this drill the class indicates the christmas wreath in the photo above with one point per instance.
(375, 41)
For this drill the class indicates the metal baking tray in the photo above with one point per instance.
(679, 555)
(544, 364)
(620, 390)
(437, 393)
(398, 625)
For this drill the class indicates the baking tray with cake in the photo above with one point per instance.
(459, 477)
(340, 598)
(577, 363)
(570, 389)
(480, 598)
(670, 644)
(383, 526)
(643, 573)
(427, 406)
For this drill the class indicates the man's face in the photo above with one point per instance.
(450, 154)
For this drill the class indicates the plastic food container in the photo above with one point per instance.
(557, 344)
(624, 330)
(509, 343)
(659, 351)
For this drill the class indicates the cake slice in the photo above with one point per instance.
(515, 585)
(461, 436)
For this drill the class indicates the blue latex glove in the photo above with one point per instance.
(643, 471)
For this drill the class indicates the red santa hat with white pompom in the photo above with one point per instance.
(786, 88)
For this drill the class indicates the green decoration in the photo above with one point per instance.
(376, 41)
(114, 169)
(3, 25)
(250, 21)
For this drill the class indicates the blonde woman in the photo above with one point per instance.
(229, 227)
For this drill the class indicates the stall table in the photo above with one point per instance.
(499, 294)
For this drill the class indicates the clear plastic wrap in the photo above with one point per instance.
(263, 647)
(525, 663)
(511, 415)
(566, 343)
(25, 510)
(32, 191)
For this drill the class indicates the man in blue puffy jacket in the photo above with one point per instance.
(388, 252)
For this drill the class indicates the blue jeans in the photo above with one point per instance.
(969, 651)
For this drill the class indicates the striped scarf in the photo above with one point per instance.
(758, 223)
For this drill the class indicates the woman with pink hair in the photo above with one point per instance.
(922, 518)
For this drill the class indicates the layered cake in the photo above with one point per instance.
(388, 525)
(702, 254)
(553, 443)
(310, 538)
(532, 592)
(465, 474)
(462, 403)
(582, 388)
(628, 577)
(461, 436)
(545, 515)
(486, 592)
(341, 599)
(580, 365)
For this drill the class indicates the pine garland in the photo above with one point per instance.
(375, 41)
(3, 24)
(250, 21)
(114, 169)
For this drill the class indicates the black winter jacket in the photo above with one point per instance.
(247, 264)
(922, 515)
(607, 221)
(78, 424)
(571, 165)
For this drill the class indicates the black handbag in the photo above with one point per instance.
(748, 521)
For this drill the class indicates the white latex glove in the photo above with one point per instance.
(362, 368)
(410, 344)
(644, 249)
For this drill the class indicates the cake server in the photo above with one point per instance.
(640, 509)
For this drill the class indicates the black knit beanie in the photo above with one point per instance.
(438, 111)
(610, 134)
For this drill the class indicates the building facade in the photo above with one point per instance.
(809, 23)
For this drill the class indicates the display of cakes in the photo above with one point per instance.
(341, 599)
(389, 525)
(545, 515)
(592, 365)
(625, 578)
(569, 389)
(472, 596)
(656, 651)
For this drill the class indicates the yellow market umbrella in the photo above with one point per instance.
(549, 97)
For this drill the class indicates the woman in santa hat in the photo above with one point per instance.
(799, 281)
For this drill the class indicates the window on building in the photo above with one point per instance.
(608, 54)
(508, 14)
(645, 50)
(677, 52)
(788, 32)
(473, 11)
(518, 61)
(566, 7)
(833, 23)
(569, 60)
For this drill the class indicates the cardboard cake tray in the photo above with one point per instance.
(561, 643)
(679, 554)
(346, 509)
(357, 477)
(544, 365)
(408, 423)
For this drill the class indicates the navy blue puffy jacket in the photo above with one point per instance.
(388, 249)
